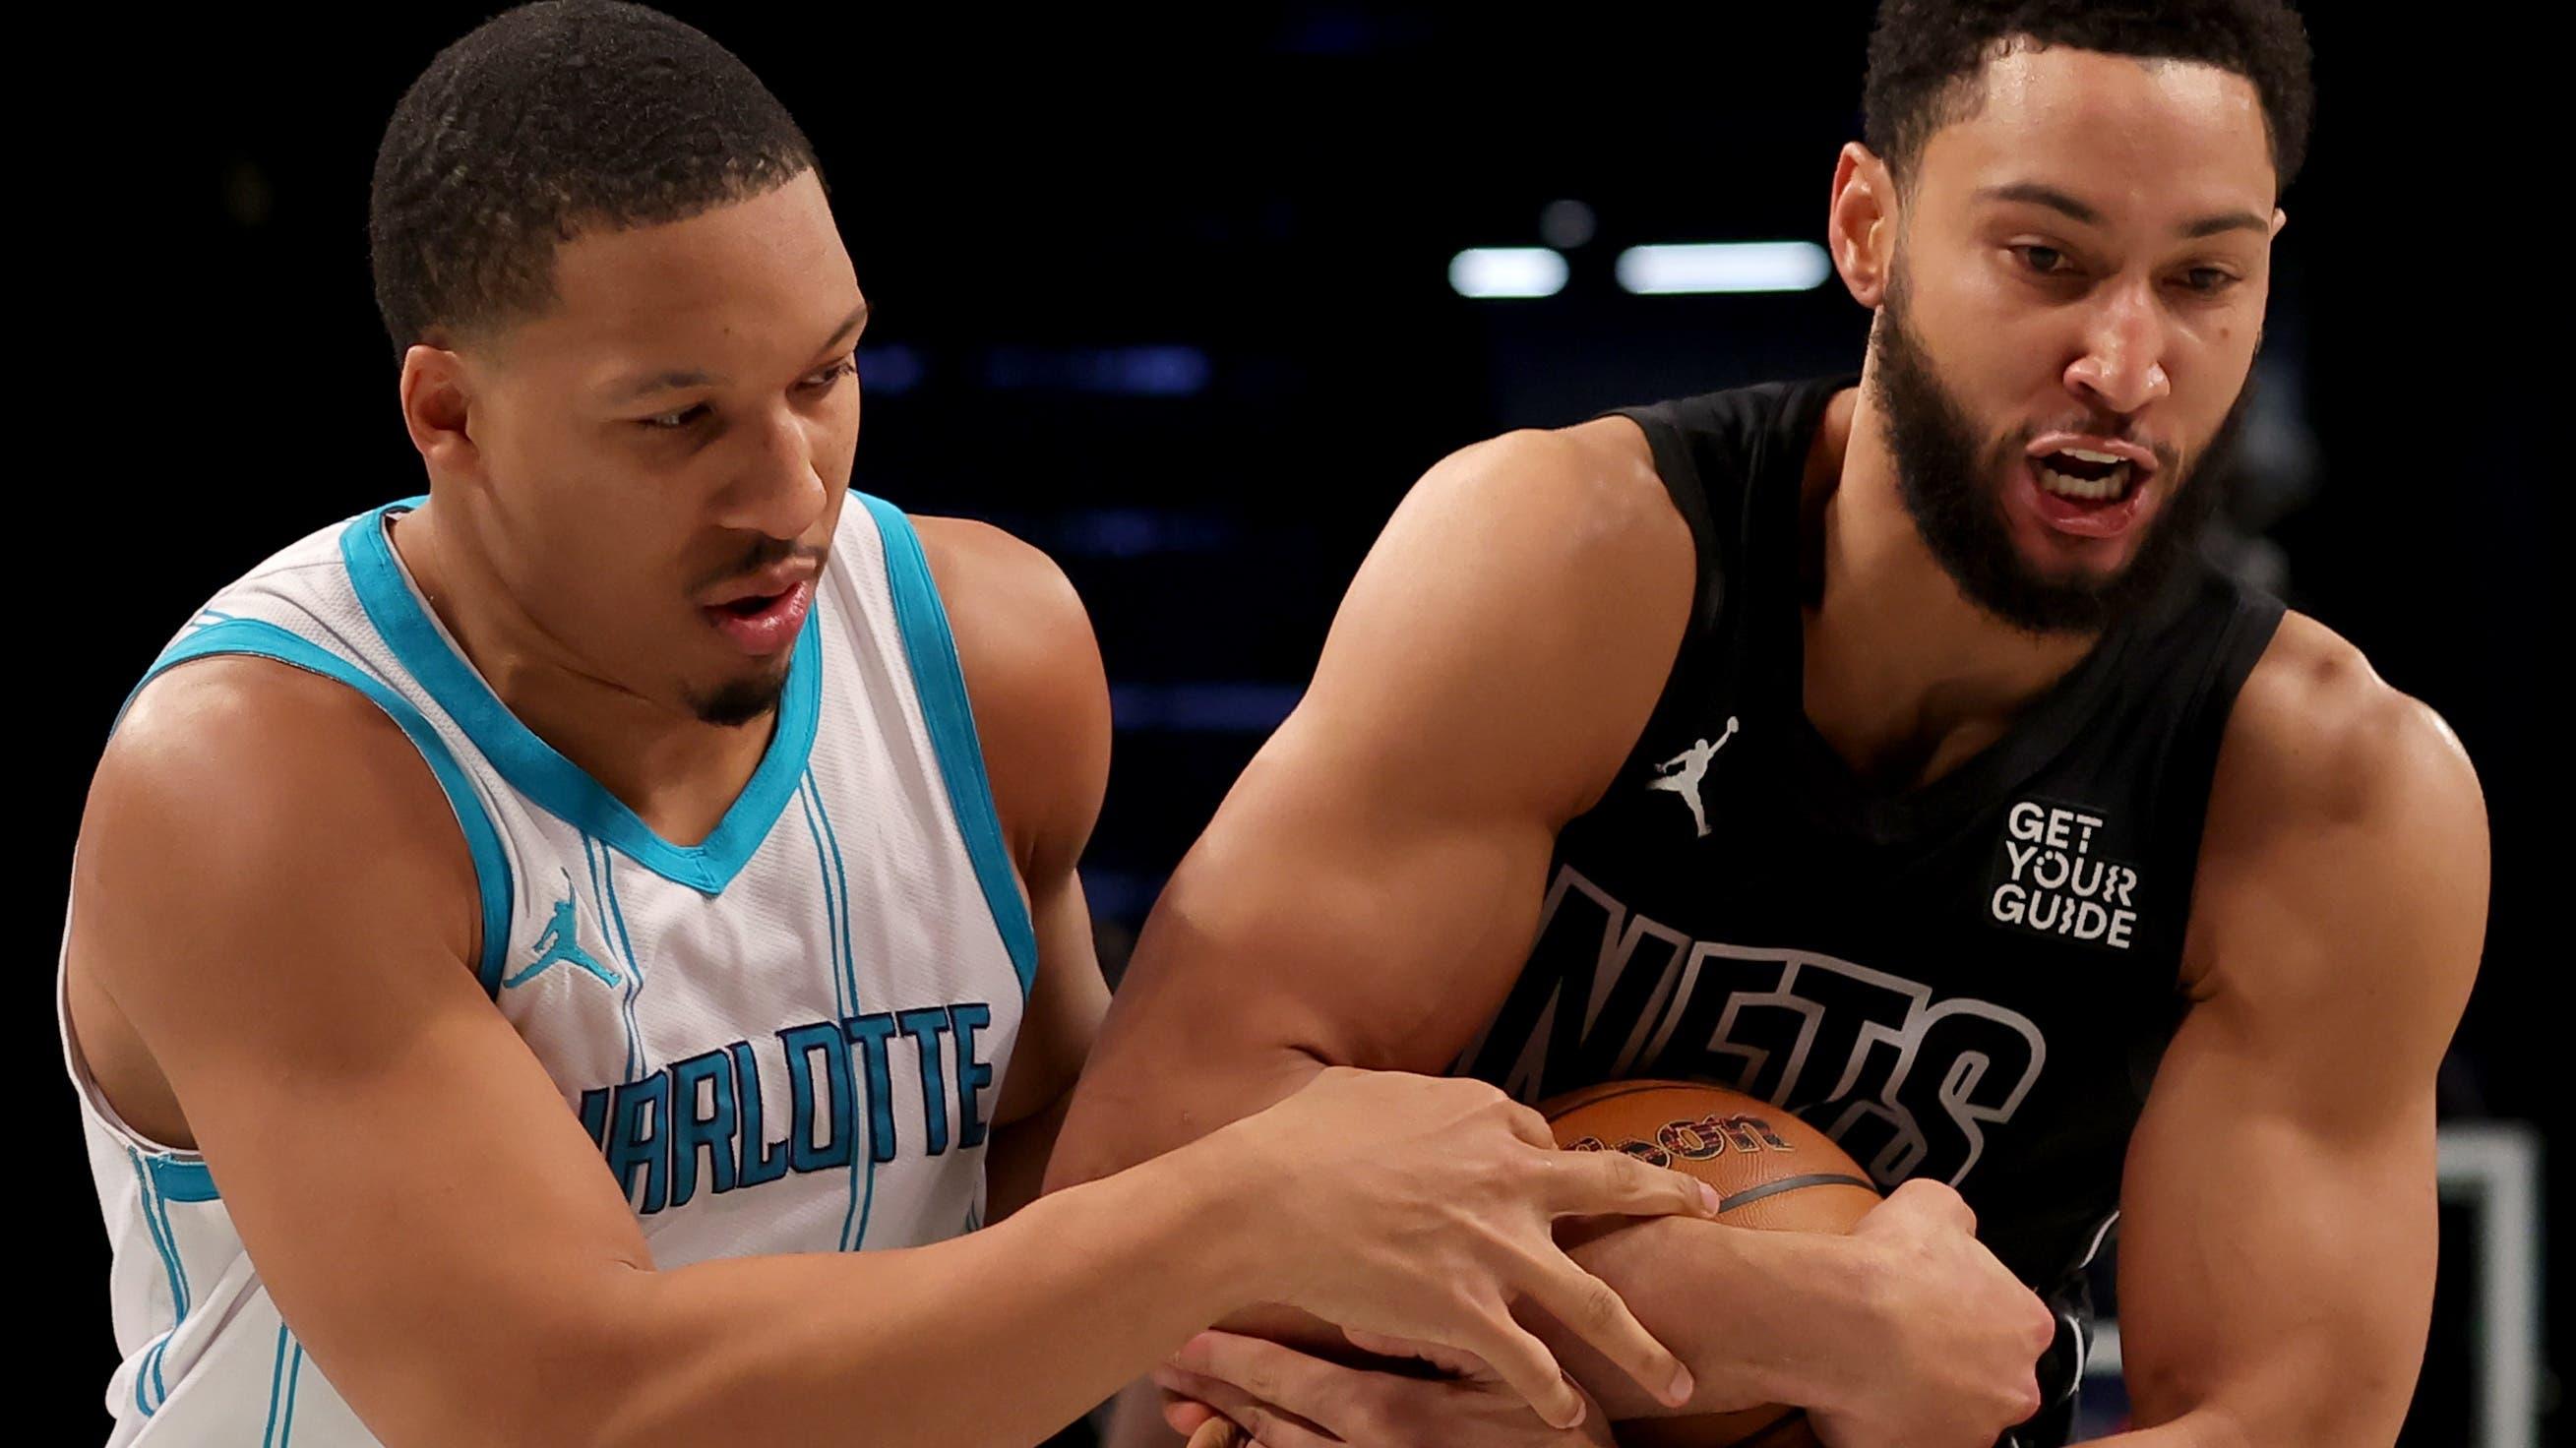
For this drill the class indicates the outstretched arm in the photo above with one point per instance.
(274, 910)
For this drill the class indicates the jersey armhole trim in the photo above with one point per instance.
(1688, 492)
(181, 1180)
(258, 638)
(940, 684)
(2234, 654)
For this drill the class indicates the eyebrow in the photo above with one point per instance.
(693, 377)
(659, 382)
(2034, 194)
(841, 333)
(2224, 221)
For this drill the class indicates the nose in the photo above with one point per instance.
(2121, 365)
(779, 489)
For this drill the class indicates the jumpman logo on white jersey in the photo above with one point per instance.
(561, 941)
(1682, 773)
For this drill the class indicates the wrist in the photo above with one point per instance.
(1233, 1192)
(1837, 1334)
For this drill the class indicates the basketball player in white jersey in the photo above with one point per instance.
(620, 804)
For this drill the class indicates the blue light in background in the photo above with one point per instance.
(891, 370)
(1153, 371)
(1203, 708)
(1123, 895)
(1140, 532)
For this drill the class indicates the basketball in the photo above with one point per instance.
(1771, 1171)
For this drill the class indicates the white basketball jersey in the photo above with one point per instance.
(788, 1038)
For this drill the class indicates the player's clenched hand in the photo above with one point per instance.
(1420, 1207)
(1956, 1338)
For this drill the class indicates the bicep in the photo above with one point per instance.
(1369, 888)
(1310, 926)
(2268, 1249)
(399, 1166)
(1332, 913)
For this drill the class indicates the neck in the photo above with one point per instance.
(677, 772)
(1905, 676)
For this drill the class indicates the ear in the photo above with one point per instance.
(438, 410)
(2280, 219)
(1861, 225)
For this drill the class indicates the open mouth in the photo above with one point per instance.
(762, 623)
(2083, 477)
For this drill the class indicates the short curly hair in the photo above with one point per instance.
(1927, 58)
(546, 122)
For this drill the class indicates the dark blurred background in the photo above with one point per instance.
(1174, 301)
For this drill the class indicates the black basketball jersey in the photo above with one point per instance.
(1972, 980)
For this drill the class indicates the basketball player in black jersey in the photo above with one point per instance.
(1882, 746)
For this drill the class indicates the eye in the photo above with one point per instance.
(2208, 280)
(823, 381)
(678, 421)
(2045, 260)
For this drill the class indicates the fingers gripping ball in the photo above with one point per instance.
(1217, 1433)
(1771, 1171)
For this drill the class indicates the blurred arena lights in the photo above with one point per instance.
(1489, 272)
(1725, 266)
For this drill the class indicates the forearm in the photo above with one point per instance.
(2304, 1385)
(2222, 1426)
(1131, 1108)
(1074, 1296)
(1759, 1317)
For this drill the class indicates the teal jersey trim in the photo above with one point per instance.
(558, 785)
(941, 686)
(181, 1181)
(258, 638)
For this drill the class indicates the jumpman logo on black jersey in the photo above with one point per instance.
(1682, 773)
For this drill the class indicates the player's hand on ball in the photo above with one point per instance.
(1283, 1398)
(1420, 1207)
(1956, 1338)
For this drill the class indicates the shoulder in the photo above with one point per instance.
(2318, 740)
(236, 786)
(1582, 499)
(268, 745)
(1537, 549)
(1033, 675)
(1510, 631)
(2346, 827)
